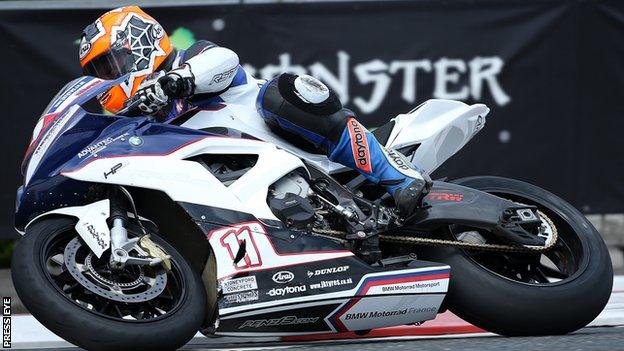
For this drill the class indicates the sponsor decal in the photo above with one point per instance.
(97, 236)
(239, 284)
(55, 128)
(99, 146)
(400, 163)
(157, 31)
(113, 170)
(85, 47)
(359, 145)
(218, 78)
(390, 313)
(92, 33)
(68, 93)
(413, 286)
(440, 196)
(331, 283)
(326, 271)
(287, 290)
(288, 320)
(241, 297)
(283, 277)
(398, 160)
(6, 322)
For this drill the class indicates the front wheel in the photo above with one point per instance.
(83, 300)
(515, 294)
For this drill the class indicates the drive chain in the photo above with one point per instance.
(459, 244)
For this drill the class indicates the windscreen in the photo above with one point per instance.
(65, 107)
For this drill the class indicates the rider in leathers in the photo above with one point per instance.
(128, 40)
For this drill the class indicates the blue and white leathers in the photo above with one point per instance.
(304, 106)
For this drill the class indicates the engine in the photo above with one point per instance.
(288, 199)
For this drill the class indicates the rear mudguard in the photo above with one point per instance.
(452, 204)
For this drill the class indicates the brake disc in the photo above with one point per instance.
(86, 275)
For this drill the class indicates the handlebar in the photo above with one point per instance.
(132, 107)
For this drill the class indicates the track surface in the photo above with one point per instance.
(588, 339)
(606, 333)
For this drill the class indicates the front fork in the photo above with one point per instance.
(121, 244)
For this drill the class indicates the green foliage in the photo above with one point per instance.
(182, 38)
(6, 250)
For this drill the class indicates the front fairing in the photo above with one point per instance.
(93, 137)
(44, 187)
(67, 137)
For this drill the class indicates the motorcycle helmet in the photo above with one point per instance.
(123, 40)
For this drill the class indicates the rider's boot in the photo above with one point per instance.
(359, 149)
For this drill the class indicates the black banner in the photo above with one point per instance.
(551, 71)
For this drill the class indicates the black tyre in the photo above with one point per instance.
(165, 322)
(530, 294)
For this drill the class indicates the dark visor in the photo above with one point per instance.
(112, 64)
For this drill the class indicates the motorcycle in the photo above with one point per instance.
(137, 234)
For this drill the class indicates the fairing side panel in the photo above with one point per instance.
(188, 181)
(284, 282)
(244, 118)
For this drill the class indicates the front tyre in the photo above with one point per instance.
(530, 294)
(139, 315)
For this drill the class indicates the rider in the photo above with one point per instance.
(127, 40)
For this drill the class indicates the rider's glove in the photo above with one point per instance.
(178, 83)
(158, 88)
(151, 94)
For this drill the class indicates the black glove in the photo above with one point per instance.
(158, 88)
(178, 83)
(151, 94)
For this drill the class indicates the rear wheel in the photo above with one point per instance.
(557, 292)
(80, 298)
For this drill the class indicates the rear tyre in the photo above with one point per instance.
(515, 294)
(80, 319)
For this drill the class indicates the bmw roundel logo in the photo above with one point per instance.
(135, 141)
(283, 277)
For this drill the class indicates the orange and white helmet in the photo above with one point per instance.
(123, 40)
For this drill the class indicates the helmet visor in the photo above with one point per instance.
(114, 63)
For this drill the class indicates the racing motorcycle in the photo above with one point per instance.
(137, 234)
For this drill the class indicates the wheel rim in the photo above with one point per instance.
(566, 260)
(142, 296)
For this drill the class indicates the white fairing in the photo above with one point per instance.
(441, 127)
(91, 226)
(189, 181)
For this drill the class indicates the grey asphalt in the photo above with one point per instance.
(589, 339)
